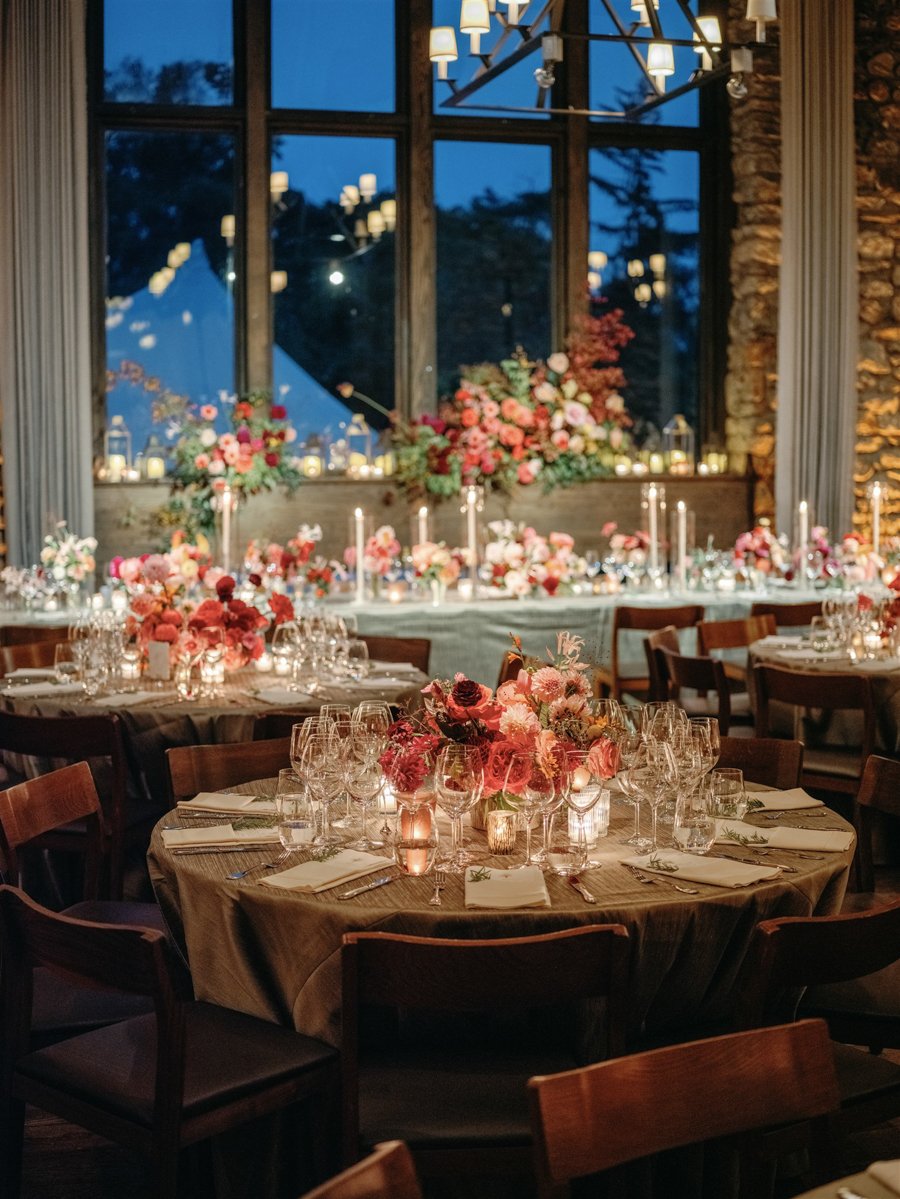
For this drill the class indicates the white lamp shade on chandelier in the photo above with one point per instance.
(761, 11)
(474, 19)
(660, 61)
(442, 48)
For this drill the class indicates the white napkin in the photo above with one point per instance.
(395, 668)
(34, 690)
(522, 888)
(780, 836)
(887, 1173)
(281, 696)
(782, 801)
(32, 672)
(223, 801)
(125, 699)
(717, 872)
(785, 640)
(218, 834)
(876, 666)
(314, 876)
(383, 682)
(811, 655)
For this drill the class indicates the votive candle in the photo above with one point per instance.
(501, 831)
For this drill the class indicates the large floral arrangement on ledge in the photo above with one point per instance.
(545, 708)
(561, 421)
(271, 560)
(67, 558)
(253, 455)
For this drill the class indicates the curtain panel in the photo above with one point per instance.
(817, 328)
(45, 373)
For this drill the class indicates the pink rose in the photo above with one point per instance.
(208, 412)
(201, 461)
(603, 758)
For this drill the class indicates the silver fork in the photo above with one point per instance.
(282, 857)
(440, 881)
(643, 878)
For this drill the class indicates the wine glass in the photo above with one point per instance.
(631, 751)
(373, 715)
(706, 730)
(284, 647)
(528, 778)
(339, 717)
(364, 781)
(583, 788)
(357, 659)
(323, 770)
(459, 782)
(659, 777)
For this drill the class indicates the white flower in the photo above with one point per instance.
(615, 403)
(516, 583)
(557, 420)
(545, 393)
(615, 438)
(576, 414)
(576, 443)
(570, 389)
(558, 362)
(208, 437)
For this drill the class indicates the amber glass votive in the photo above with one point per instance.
(501, 831)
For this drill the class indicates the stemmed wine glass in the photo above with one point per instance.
(324, 773)
(583, 789)
(459, 782)
(364, 779)
(658, 774)
(339, 718)
(528, 778)
(300, 735)
(631, 752)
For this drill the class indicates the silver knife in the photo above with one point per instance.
(378, 882)
(582, 890)
(194, 849)
(728, 857)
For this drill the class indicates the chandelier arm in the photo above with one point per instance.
(711, 50)
(629, 42)
(698, 79)
(653, 18)
(493, 69)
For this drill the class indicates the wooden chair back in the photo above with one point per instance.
(733, 634)
(416, 650)
(657, 671)
(28, 634)
(512, 663)
(827, 692)
(764, 760)
(699, 674)
(591, 1120)
(79, 739)
(879, 791)
(793, 952)
(273, 726)
(442, 975)
(39, 806)
(195, 768)
(387, 1173)
(628, 617)
(37, 655)
(788, 616)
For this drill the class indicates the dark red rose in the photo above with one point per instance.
(225, 588)
(278, 412)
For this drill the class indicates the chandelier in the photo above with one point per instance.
(525, 27)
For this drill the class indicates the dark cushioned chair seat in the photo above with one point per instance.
(439, 1102)
(863, 1076)
(876, 996)
(119, 911)
(227, 1055)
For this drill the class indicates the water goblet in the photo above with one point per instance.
(459, 782)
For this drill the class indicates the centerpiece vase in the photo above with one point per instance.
(438, 592)
(226, 504)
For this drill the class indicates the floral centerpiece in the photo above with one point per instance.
(67, 559)
(271, 560)
(858, 561)
(759, 549)
(626, 549)
(561, 421)
(380, 552)
(435, 562)
(522, 562)
(253, 455)
(241, 624)
(545, 709)
(322, 574)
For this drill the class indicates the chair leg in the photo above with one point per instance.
(12, 1134)
(165, 1173)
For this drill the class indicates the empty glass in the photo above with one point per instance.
(695, 825)
(728, 794)
(458, 782)
(293, 812)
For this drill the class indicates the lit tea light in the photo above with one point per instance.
(387, 800)
(396, 592)
(263, 663)
(118, 601)
(501, 831)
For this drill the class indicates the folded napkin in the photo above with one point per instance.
(393, 668)
(218, 834)
(692, 868)
(779, 836)
(282, 697)
(782, 801)
(773, 640)
(32, 672)
(877, 666)
(887, 1173)
(313, 876)
(125, 699)
(811, 655)
(224, 801)
(383, 682)
(34, 690)
(487, 887)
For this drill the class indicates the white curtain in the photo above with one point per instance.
(45, 375)
(817, 328)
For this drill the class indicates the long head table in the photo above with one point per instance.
(275, 954)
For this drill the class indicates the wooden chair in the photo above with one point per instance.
(464, 1110)
(860, 994)
(126, 821)
(274, 726)
(788, 616)
(591, 1120)
(733, 634)
(415, 650)
(511, 665)
(156, 1083)
(764, 760)
(611, 680)
(27, 813)
(704, 675)
(388, 1173)
(35, 654)
(657, 672)
(833, 768)
(879, 792)
(195, 768)
(28, 634)
(795, 952)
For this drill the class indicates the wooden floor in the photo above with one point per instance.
(62, 1162)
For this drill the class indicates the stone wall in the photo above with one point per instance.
(878, 206)
(750, 393)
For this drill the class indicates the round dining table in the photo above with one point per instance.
(862, 1185)
(275, 953)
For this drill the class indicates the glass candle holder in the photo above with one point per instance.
(501, 831)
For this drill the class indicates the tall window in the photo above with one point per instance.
(268, 219)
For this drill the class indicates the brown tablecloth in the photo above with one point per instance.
(275, 954)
